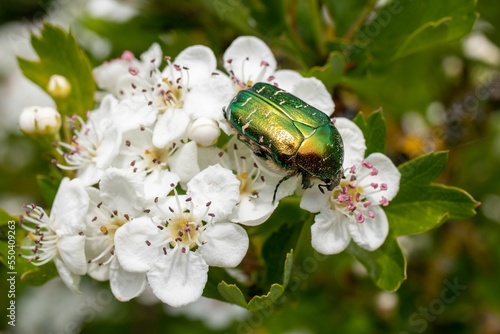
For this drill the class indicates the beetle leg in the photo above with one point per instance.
(286, 177)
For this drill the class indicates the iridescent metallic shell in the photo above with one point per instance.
(284, 130)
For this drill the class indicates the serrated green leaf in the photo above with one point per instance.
(258, 303)
(422, 170)
(386, 265)
(374, 131)
(232, 294)
(276, 291)
(216, 275)
(59, 53)
(420, 205)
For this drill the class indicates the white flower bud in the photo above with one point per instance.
(58, 86)
(40, 120)
(204, 131)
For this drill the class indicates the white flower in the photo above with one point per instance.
(120, 198)
(353, 208)
(257, 185)
(117, 75)
(94, 145)
(192, 88)
(176, 248)
(159, 166)
(189, 88)
(60, 236)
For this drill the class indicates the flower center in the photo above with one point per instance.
(248, 175)
(112, 225)
(154, 157)
(83, 149)
(174, 94)
(176, 85)
(346, 196)
(248, 79)
(184, 232)
(44, 240)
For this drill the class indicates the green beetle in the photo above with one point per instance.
(289, 134)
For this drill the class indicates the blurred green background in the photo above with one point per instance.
(432, 66)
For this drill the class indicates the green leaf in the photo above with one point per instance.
(385, 265)
(374, 131)
(330, 73)
(260, 302)
(215, 277)
(397, 31)
(5, 217)
(60, 54)
(232, 294)
(39, 275)
(421, 205)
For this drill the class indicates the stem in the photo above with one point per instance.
(359, 20)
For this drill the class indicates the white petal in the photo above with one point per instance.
(388, 174)
(314, 200)
(89, 175)
(158, 183)
(329, 232)
(314, 92)
(178, 278)
(354, 141)
(252, 211)
(133, 112)
(226, 245)
(71, 280)
(171, 126)
(107, 74)
(256, 51)
(123, 191)
(125, 285)
(201, 62)
(131, 247)
(71, 249)
(184, 161)
(207, 100)
(216, 185)
(208, 156)
(98, 272)
(69, 208)
(286, 79)
(153, 55)
(372, 232)
(109, 147)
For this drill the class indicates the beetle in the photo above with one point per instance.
(289, 134)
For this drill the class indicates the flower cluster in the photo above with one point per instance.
(155, 201)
